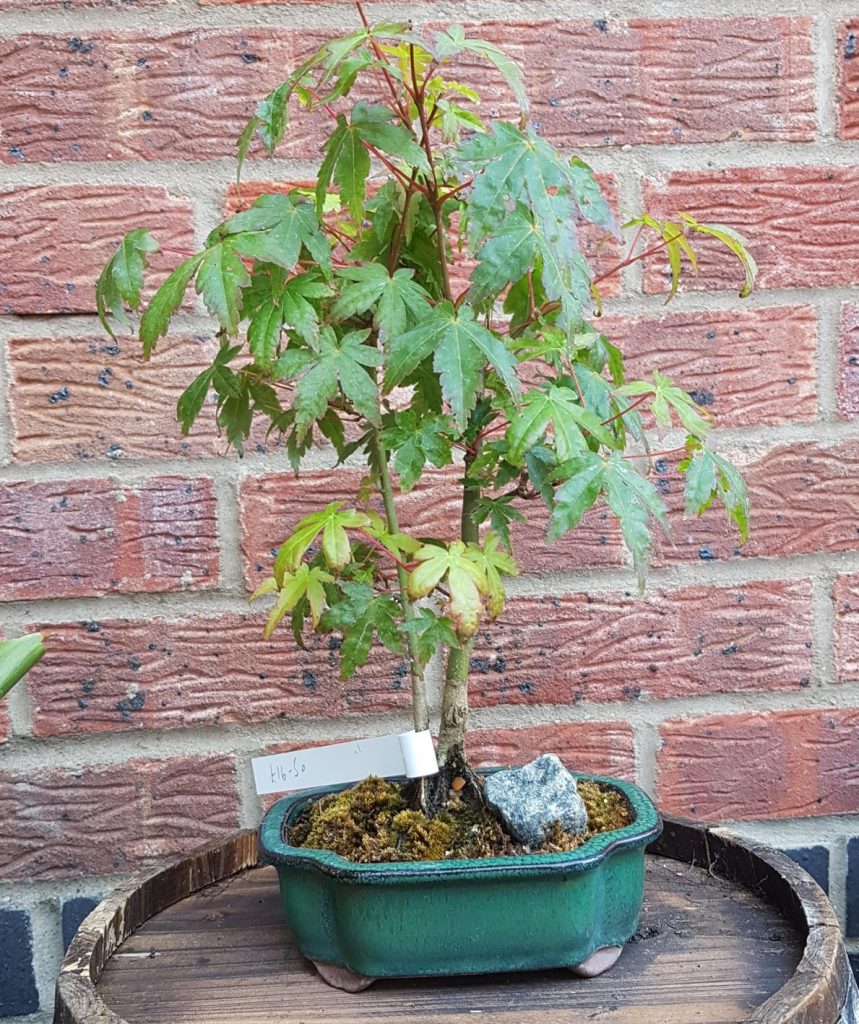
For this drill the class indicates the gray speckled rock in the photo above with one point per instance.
(530, 798)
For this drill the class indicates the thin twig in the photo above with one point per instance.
(629, 408)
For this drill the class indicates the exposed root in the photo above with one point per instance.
(455, 777)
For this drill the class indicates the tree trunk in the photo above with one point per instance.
(454, 704)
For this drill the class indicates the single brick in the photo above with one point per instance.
(746, 367)
(814, 860)
(18, 993)
(106, 676)
(273, 503)
(90, 537)
(94, 398)
(803, 499)
(185, 95)
(604, 748)
(820, 203)
(846, 602)
(104, 819)
(658, 80)
(848, 79)
(54, 240)
(848, 378)
(73, 913)
(779, 764)
(669, 643)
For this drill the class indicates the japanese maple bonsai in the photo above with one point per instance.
(429, 302)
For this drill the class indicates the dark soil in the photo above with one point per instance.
(372, 823)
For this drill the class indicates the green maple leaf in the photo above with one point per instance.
(17, 657)
(122, 277)
(359, 616)
(305, 583)
(453, 40)
(339, 364)
(505, 256)
(373, 124)
(221, 277)
(347, 159)
(558, 406)
(635, 501)
(218, 376)
(264, 333)
(460, 348)
(590, 198)
(493, 563)
(709, 476)
(348, 162)
(398, 299)
(287, 303)
(430, 633)
(337, 63)
(515, 169)
(417, 442)
(299, 313)
(668, 398)
(465, 579)
(500, 513)
(155, 322)
(577, 493)
(275, 230)
(332, 522)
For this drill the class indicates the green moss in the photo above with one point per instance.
(370, 823)
(607, 808)
(418, 838)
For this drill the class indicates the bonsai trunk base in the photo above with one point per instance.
(600, 961)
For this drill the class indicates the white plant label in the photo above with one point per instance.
(405, 753)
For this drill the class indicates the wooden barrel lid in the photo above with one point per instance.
(730, 931)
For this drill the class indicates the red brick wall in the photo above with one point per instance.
(731, 690)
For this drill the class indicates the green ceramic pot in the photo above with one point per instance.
(452, 917)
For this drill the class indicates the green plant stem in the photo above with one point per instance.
(432, 182)
(397, 240)
(454, 702)
(420, 711)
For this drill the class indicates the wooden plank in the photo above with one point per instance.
(707, 951)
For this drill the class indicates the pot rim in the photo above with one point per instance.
(274, 849)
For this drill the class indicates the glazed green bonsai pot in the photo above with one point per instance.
(359, 922)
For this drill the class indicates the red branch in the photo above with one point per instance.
(629, 408)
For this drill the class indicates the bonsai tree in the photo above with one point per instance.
(431, 294)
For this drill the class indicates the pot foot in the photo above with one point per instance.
(342, 977)
(600, 961)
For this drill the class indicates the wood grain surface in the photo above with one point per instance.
(731, 931)
(706, 951)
